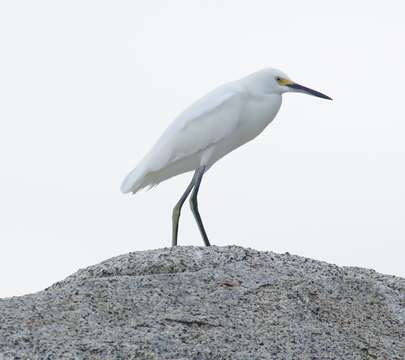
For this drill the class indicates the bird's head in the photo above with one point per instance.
(276, 82)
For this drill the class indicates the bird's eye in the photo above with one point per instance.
(278, 78)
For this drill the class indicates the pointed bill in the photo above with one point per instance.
(305, 90)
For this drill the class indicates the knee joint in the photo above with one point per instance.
(193, 203)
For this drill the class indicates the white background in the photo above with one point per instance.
(86, 87)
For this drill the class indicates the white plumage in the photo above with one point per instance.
(224, 119)
(213, 126)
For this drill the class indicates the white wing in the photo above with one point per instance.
(205, 123)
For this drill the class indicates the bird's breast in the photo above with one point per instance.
(257, 114)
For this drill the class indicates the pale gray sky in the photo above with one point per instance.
(86, 88)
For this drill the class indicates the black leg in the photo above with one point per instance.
(194, 205)
(177, 210)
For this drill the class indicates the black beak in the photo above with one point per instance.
(308, 91)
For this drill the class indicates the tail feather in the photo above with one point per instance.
(134, 181)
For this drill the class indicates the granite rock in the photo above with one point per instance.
(209, 303)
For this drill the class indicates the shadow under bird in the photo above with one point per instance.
(221, 121)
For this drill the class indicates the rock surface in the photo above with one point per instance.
(209, 303)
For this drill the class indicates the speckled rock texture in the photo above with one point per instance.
(209, 303)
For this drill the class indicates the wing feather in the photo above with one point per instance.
(204, 123)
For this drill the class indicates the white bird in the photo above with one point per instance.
(221, 121)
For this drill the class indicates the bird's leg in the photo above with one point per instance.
(194, 205)
(177, 210)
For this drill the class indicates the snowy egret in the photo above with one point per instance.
(221, 121)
